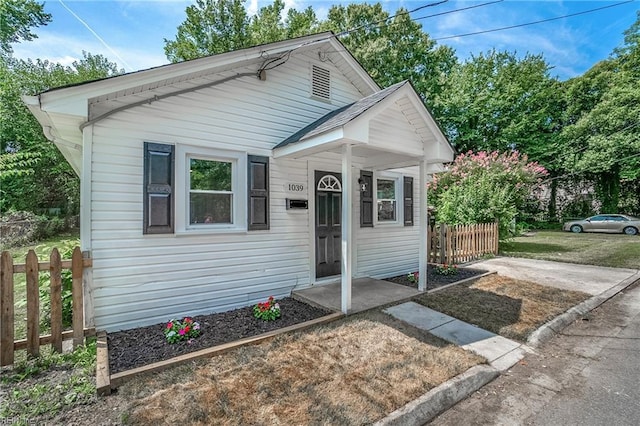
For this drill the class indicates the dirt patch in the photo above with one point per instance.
(354, 371)
(144, 345)
(506, 306)
(435, 280)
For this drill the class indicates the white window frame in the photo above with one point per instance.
(238, 160)
(397, 179)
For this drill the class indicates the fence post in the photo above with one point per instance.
(55, 270)
(33, 304)
(76, 294)
(443, 243)
(7, 331)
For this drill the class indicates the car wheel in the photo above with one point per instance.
(630, 230)
(576, 229)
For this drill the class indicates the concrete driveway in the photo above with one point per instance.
(569, 276)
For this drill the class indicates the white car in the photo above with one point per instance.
(612, 223)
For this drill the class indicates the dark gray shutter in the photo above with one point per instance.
(407, 193)
(158, 188)
(366, 200)
(258, 191)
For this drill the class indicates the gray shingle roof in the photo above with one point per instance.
(340, 116)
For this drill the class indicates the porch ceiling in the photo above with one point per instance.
(389, 129)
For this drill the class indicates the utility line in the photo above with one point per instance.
(533, 23)
(406, 12)
(457, 10)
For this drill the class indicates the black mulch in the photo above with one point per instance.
(141, 346)
(435, 280)
(145, 345)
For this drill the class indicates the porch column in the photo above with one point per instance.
(347, 226)
(424, 242)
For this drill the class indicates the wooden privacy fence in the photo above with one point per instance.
(454, 244)
(32, 268)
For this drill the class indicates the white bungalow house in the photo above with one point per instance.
(214, 183)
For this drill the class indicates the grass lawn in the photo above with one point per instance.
(352, 371)
(615, 250)
(45, 386)
(506, 306)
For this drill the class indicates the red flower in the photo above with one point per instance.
(170, 325)
(186, 329)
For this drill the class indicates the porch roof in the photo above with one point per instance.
(390, 128)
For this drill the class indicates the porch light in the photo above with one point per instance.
(363, 185)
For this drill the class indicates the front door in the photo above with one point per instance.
(328, 223)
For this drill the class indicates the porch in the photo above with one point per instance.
(366, 293)
(388, 130)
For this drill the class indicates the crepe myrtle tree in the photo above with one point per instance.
(485, 187)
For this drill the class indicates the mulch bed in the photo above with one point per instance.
(145, 345)
(137, 347)
(435, 280)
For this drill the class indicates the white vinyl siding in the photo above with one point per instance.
(146, 279)
(388, 250)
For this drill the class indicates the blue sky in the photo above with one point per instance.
(131, 33)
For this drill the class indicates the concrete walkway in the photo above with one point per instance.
(501, 352)
(589, 279)
(602, 283)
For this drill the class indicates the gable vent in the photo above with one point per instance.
(320, 82)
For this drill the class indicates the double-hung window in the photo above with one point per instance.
(211, 189)
(211, 198)
(387, 199)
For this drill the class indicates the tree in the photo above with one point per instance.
(485, 187)
(33, 173)
(393, 49)
(602, 135)
(268, 24)
(604, 143)
(17, 18)
(499, 102)
(211, 27)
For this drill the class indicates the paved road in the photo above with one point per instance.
(589, 375)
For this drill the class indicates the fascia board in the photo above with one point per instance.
(310, 143)
(341, 49)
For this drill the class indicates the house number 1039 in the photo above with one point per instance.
(295, 187)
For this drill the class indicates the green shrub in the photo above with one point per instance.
(485, 187)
